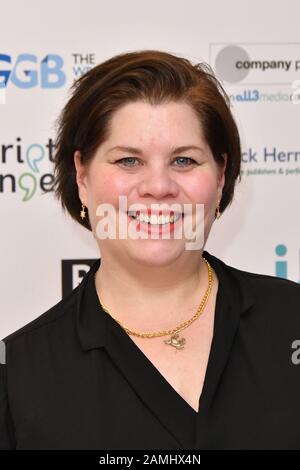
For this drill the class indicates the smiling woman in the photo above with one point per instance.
(159, 172)
(162, 345)
(148, 80)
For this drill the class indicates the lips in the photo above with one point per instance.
(156, 213)
(154, 219)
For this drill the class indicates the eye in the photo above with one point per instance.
(126, 159)
(184, 160)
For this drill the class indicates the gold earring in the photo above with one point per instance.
(218, 213)
(82, 212)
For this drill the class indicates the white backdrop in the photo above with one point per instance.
(74, 35)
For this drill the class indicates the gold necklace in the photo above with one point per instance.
(174, 339)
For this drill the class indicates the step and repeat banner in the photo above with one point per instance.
(255, 52)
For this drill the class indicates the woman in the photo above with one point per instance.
(162, 345)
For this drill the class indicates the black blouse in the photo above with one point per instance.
(74, 379)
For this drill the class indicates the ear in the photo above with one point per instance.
(81, 177)
(221, 178)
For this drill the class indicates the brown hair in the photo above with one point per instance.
(154, 77)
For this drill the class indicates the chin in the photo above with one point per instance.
(156, 252)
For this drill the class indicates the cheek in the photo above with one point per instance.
(108, 186)
(203, 188)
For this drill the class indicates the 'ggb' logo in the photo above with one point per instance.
(48, 73)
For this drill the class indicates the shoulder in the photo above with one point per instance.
(265, 293)
(54, 330)
(274, 300)
(267, 286)
(57, 314)
(260, 283)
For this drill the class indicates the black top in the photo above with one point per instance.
(74, 379)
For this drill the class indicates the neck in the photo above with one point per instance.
(150, 296)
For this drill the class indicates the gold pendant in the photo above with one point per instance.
(175, 341)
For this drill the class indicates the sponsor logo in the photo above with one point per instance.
(28, 71)
(73, 272)
(32, 158)
(263, 72)
(281, 264)
(270, 161)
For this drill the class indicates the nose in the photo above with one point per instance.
(158, 184)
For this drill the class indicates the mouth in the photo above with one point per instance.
(155, 220)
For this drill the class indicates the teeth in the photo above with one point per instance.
(154, 219)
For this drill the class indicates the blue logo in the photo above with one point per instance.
(45, 73)
(281, 266)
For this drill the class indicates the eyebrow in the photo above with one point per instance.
(140, 152)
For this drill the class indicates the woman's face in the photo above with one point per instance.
(150, 172)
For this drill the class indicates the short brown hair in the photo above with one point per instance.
(154, 77)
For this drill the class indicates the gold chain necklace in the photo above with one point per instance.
(174, 339)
